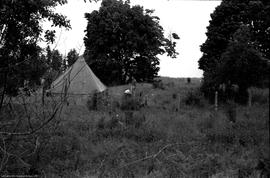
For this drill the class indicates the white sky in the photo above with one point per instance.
(188, 19)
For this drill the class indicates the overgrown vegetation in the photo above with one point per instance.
(164, 129)
(130, 140)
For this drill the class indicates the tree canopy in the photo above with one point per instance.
(20, 32)
(54, 60)
(122, 42)
(227, 53)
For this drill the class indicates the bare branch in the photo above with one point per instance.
(5, 154)
(153, 156)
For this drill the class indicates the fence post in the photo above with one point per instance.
(216, 100)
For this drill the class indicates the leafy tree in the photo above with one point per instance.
(227, 19)
(72, 56)
(122, 42)
(241, 64)
(54, 65)
(56, 60)
(20, 32)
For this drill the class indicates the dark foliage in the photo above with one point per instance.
(158, 84)
(54, 60)
(223, 47)
(21, 30)
(241, 64)
(72, 56)
(194, 98)
(130, 102)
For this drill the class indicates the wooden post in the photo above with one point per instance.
(249, 98)
(216, 100)
(178, 108)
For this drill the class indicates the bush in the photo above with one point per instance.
(260, 96)
(92, 102)
(174, 96)
(231, 112)
(130, 102)
(158, 84)
(98, 101)
(194, 98)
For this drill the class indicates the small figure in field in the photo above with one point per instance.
(188, 80)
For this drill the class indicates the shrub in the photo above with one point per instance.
(115, 104)
(194, 98)
(92, 102)
(174, 96)
(260, 96)
(98, 101)
(158, 84)
(130, 102)
(231, 113)
(133, 119)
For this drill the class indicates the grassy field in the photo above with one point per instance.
(177, 134)
(168, 130)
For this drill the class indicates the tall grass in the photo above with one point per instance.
(133, 140)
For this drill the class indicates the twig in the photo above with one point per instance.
(4, 159)
(61, 31)
(5, 155)
(153, 156)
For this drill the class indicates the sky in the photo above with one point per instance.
(188, 19)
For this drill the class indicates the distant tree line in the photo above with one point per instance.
(237, 49)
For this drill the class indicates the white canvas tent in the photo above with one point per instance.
(79, 79)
